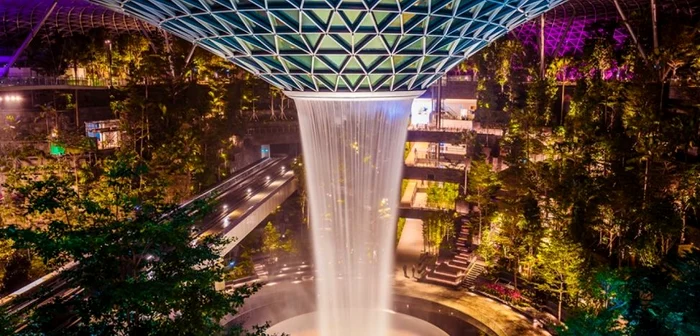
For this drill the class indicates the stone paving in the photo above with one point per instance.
(499, 317)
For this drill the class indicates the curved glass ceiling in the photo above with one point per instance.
(339, 45)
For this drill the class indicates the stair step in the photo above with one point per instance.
(436, 279)
(463, 267)
(460, 263)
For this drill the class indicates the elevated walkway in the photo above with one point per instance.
(243, 202)
(14, 84)
(284, 132)
(245, 219)
(433, 174)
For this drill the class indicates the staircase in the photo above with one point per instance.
(475, 270)
(452, 272)
(444, 274)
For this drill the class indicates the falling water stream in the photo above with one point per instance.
(353, 153)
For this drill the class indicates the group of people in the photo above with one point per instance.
(413, 270)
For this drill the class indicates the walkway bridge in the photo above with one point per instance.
(285, 132)
(242, 201)
(14, 84)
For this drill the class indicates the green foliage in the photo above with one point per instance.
(443, 195)
(612, 182)
(274, 243)
(483, 183)
(588, 324)
(438, 227)
(138, 268)
(488, 249)
(243, 267)
(300, 175)
(665, 304)
(605, 300)
(404, 185)
(406, 149)
(399, 228)
(560, 263)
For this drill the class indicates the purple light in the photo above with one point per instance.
(555, 30)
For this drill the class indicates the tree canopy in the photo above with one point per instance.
(138, 268)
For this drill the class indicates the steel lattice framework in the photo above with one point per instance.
(339, 45)
(17, 17)
(569, 25)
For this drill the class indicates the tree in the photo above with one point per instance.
(686, 194)
(482, 186)
(243, 266)
(138, 268)
(588, 324)
(274, 242)
(488, 249)
(605, 300)
(437, 227)
(249, 96)
(509, 227)
(561, 263)
(300, 175)
(400, 223)
(665, 296)
(443, 197)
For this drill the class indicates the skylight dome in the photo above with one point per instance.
(339, 45)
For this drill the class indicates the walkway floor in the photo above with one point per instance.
(420, 201)
(410, 245)
(499, 317)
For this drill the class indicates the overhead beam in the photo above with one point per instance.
(147, 35)
(629, 29)
(542, 65)
(188, 60)
(6, 69)
(566, 33)
(189, 56)
(654, 26)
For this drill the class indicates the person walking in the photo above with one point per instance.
(413, 270)
(405, 270)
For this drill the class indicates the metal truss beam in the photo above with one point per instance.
(6, 69)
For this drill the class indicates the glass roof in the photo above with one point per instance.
(329, 45)
(339, 45)
(568, 25)
(17, 17)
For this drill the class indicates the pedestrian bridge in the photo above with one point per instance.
(242, 201)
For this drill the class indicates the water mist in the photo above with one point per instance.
(353, 147)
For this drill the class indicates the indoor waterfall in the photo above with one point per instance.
(353, 155)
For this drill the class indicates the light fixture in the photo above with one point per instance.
(11, 98)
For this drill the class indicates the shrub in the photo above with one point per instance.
(502, 292)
